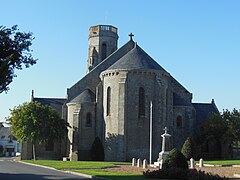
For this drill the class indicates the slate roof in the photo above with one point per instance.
(204, 110)
(136, 59)
(179, 101)
(86, 96)
(93, 75)
(5, 134)
(5, 131)
(56, 103)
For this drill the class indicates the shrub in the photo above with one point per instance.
(202, 175)
(167, 173)
(178, 173)
(97, 150)
(188, 148)
(175, 159)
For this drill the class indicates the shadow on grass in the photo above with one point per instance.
(123, 177)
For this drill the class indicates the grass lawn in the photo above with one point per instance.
(223, 162)
(88, 167)
(100, 169)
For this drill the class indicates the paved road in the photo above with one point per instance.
(9, 170)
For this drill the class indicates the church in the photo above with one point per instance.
(113, 102)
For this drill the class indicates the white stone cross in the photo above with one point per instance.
(165, 130)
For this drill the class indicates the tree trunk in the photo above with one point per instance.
(34, 152)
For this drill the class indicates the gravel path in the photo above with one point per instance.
(221, 171)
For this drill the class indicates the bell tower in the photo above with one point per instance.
(102, 42)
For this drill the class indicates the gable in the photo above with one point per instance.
(92, 79)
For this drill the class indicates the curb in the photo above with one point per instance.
(236, 175)
(225, 165)
(69, 172)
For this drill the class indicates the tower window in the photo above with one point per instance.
(108, 101)
(141, 100)
(104, 51)
(89, 120)
(179, 122)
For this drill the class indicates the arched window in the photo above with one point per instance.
(104, 51)
(89, 120)
(179, 122)
(141, 100)
(108, 101)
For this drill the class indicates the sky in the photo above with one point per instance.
(197, 42)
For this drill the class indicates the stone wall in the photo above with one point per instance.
(99, 37)
(180, 134)
(86, 133)
(126, 132)
(91, 80)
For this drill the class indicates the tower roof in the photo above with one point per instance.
(136, 59)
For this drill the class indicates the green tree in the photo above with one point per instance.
(97, 150)
(175, 159)
(221, 128)
(214, 130)
(233, 131)
(36, 123)
(188, 148)
(14, 53)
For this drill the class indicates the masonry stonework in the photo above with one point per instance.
(112, 102)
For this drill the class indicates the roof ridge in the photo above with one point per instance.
(49, 98)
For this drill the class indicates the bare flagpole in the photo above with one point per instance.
(150, 148)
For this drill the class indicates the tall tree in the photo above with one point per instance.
(188, 149)
(97, 150)
(14, 53)
(36, 123)
(222, 128)
(233, 121)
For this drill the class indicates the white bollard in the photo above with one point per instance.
(161, 164)
(139, 163)
(192, 163)
(145, 164)
(133, 161)
(201, 163)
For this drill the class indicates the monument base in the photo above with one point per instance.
(162, 156)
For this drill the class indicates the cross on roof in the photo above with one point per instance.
(131, 35)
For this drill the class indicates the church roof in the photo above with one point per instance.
(136, 59)
(86, 96)
(56, 103)
(204, 110)
(179, 101)
(4, 131)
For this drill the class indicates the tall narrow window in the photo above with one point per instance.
(179, 122)
(141, 100)
(104, 51)
(89, 120)
(108, 101)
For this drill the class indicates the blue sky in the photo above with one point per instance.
(197, 42)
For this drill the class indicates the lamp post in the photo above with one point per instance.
(150, 135)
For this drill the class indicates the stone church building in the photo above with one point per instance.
(112, 102)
